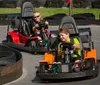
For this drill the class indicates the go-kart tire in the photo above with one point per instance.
(37, 72)
(93, 66)
(9, 38)
(7, 57)
(96, 74)
(90, 64)
(96, 70)
(84, 16)
(5, 62)
(42, 67)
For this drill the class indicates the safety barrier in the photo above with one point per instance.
(10, 64)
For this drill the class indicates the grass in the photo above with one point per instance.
(51, 11)
(9, 10)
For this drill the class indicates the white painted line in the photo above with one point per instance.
(20, 78)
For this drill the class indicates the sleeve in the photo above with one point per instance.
(59, 46)
(76, 41)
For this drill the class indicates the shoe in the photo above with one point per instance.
(41, 43)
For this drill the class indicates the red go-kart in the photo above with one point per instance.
(19, 31)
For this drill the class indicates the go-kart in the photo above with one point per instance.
(19, 31)
(50, 68)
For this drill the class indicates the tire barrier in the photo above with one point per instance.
(10, 64)
(7, 58)
(84, 16)
(81, 19)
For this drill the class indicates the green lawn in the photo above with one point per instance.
(51, 11)
(9, 10)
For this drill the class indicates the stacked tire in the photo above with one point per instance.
(7, 58)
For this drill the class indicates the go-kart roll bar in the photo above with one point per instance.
(87, 30)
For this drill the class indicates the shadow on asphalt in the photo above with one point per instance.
(37, 80)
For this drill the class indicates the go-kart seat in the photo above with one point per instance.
(26, 27)
(26, 15)
(27, 9)
(70, 23)
(21, 25)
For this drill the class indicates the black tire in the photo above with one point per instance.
(91, 65)
(7, 57)
(5, 62)
(96, 70)
(9, 38)
(84, 16)
(37, 72)
(96, 74)
(43, 67)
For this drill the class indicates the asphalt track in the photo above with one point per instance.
(30, 61)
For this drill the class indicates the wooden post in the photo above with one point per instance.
(71, 7)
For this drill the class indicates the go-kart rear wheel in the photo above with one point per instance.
(92, 65)
(96, 68)
(9, 38)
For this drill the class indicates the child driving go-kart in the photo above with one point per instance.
(71, 44)
(37, 24)
(69, 58)
(40, 27)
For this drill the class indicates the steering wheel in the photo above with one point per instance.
(41, 24)
(65, 45)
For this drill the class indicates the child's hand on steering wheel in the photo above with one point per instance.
(39, 38)
(46, 22)
(37, 25)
